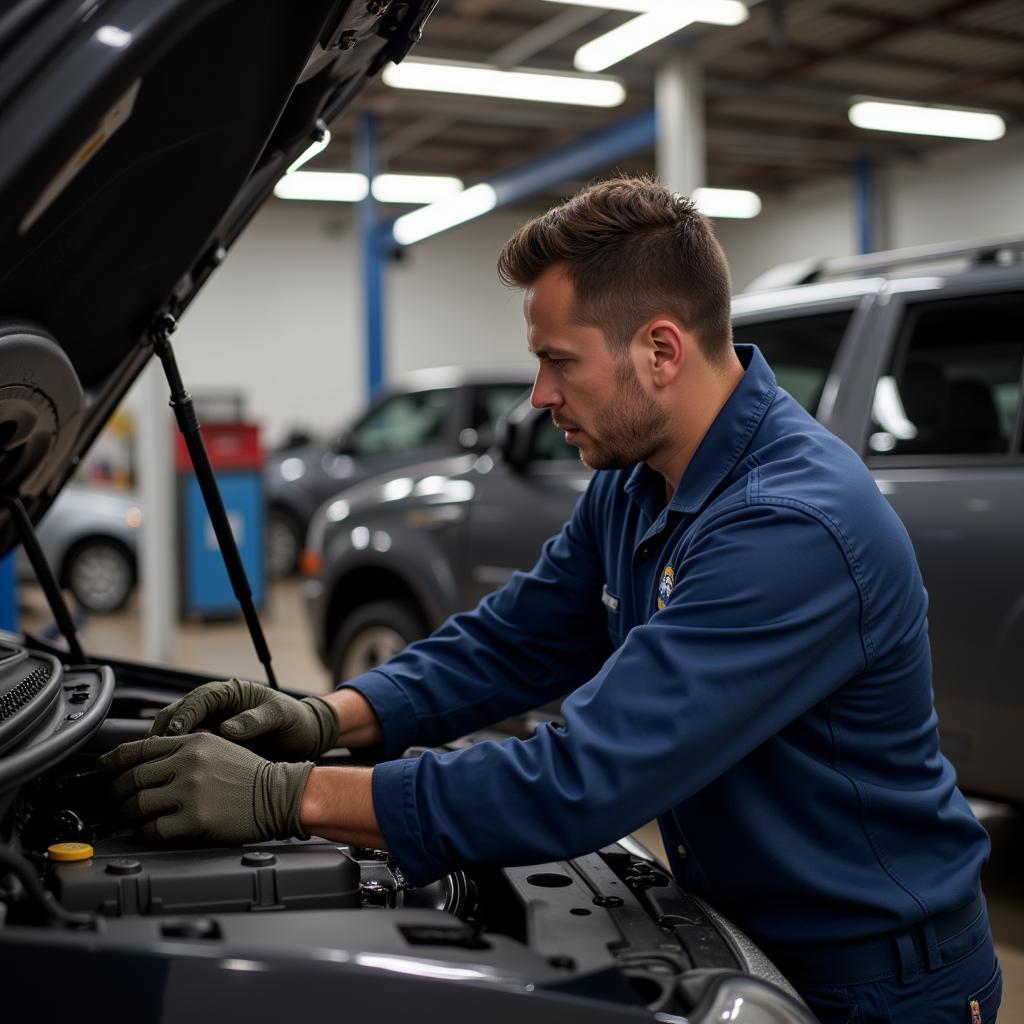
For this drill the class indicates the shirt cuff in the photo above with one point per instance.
(393, 708)
(393, 787)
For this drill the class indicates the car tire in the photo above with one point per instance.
(282, 544)
(100, 573)
(371, 634)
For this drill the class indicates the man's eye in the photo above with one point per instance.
(558, 364)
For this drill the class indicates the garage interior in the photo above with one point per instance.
(761, 106)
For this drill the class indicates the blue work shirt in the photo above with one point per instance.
(749, 664)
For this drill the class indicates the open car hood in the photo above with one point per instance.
(137, 139)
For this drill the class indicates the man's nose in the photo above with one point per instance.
(544, 395)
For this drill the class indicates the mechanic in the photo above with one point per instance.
(737, 616)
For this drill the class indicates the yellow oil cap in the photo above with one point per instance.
(69, 851)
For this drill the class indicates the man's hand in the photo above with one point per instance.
(203, 787)
(275, 724)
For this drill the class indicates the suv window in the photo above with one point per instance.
(953, 387)
(403, 422)
(800, 350)
(492, 401)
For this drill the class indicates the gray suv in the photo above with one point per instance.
(428, 413)
(914, 358)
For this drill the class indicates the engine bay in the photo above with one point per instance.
(610, 926)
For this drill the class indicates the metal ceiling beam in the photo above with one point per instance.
(546, 34)
(879, 35)
(411, 135)
(579, 159)
(988, 35)
(539, 38)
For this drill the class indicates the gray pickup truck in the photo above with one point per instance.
(913, 357)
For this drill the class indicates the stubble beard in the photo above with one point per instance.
(633, 427)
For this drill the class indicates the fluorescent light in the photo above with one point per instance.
(345, 187)
(327, 186)
(414, 188)
(311, 151)
(634, 6)
(419, 224)
(948, 122)
(111, 35)
(727, 202)
(638, 33)
(481, 80)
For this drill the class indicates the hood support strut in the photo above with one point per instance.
(188, 423)
(44, 575)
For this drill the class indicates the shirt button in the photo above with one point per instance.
(682, 851)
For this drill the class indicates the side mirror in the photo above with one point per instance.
(512, 440)
(344, 443)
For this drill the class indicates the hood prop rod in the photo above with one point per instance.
(188, 423)
(45, 576)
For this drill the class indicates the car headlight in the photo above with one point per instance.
(292, 469)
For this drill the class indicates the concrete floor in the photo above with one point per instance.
(222, 649)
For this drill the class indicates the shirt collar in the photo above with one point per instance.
(724, 443)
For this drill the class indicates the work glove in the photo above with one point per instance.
(204, 787)
(268, 721)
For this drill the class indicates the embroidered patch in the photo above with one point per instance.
(665, 585)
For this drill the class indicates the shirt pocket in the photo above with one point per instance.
(613, 614)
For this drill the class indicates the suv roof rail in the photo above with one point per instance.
(976, 251)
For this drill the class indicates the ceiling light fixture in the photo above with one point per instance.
(326, 186)
(414, 188)
(521, 84)
(735, 203)
(420, 224)
(311, 151)
(947, 122)
(633, 6)
(661, 21)
(347, 187)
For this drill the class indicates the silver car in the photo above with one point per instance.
(90, 538)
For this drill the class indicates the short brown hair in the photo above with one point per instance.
(632, 249)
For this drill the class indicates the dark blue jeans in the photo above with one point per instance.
(957, 982)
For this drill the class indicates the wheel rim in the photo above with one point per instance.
(369, 648)
(100, 577)
(282, 548)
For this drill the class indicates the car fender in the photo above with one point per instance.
(392, 548)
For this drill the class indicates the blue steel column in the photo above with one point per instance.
(866, 213)
(8, 594)
(373, 259)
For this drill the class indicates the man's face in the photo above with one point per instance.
(596, 397)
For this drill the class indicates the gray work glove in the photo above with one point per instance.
(268, 721)
(204, 787)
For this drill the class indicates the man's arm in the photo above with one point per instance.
(764, 623)
(337, 804)
(535, 639)
(357, 721)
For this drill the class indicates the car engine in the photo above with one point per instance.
(82, 892)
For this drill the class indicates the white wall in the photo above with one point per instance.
(816, 221)
(282, 319)
(967, 191)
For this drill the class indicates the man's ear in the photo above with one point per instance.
(668, 350)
